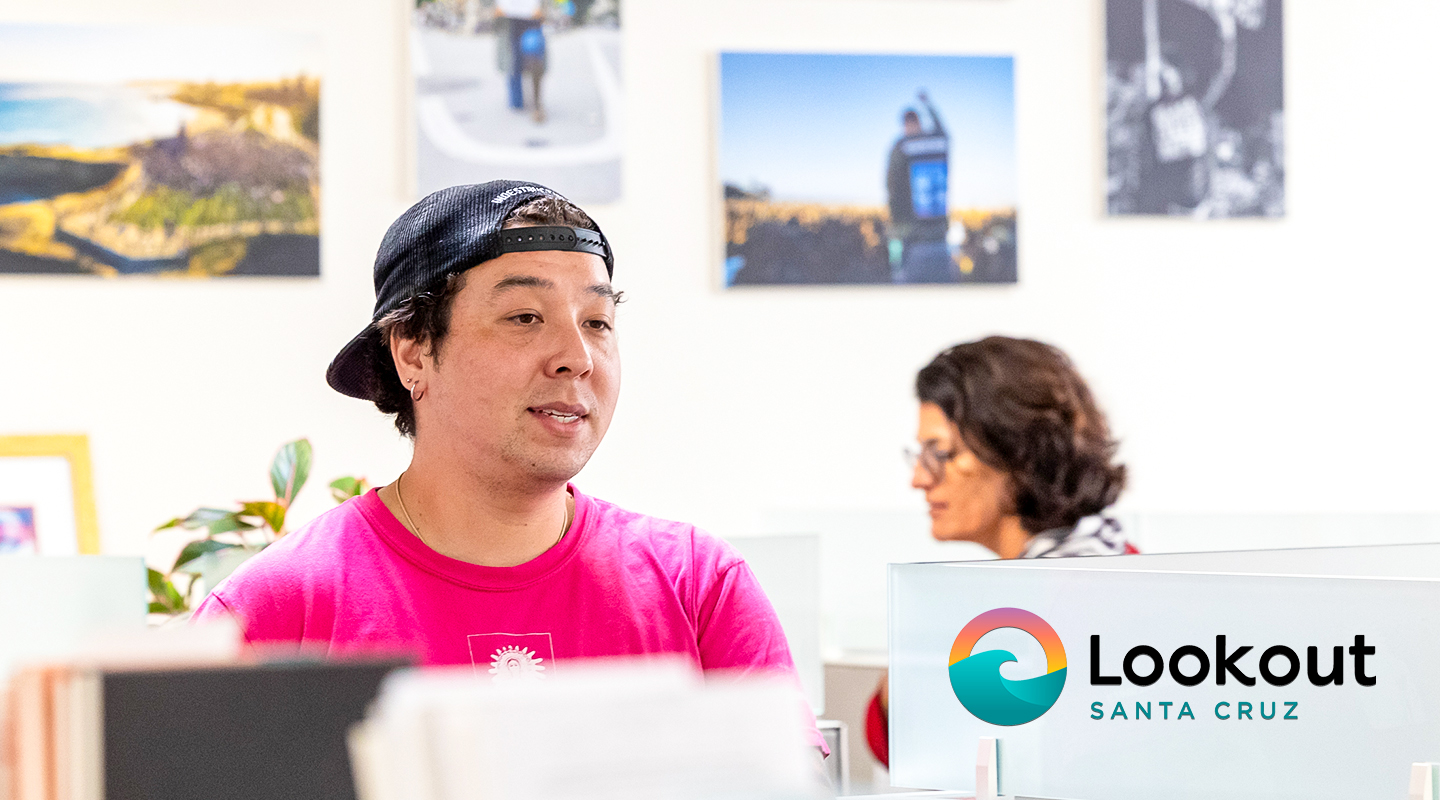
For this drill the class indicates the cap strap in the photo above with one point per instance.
(553, 237)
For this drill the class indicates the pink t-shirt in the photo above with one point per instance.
(355, 581)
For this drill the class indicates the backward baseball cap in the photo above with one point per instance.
(444, 234)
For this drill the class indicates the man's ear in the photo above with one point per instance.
(408, 355)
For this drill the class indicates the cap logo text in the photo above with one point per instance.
(509, 193)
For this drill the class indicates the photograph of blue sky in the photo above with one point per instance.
(819, 128)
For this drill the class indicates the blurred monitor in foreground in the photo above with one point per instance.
(628, 728)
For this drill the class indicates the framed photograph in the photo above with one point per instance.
(867, 169)
(1194, 108)
(150, 150)
(524, 89)
(47, 499)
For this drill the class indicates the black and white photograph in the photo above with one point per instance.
(1195, 108)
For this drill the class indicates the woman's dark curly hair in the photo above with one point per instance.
(425, 316)
(1022, 408)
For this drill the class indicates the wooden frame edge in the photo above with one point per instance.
(75, 448)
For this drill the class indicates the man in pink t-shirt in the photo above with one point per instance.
(493, 344)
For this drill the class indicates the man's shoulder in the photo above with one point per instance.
(611, 521)
(636, 531)
(615, 516)
(312, 552)
(277, 593)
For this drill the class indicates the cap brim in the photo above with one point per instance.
(353, 370)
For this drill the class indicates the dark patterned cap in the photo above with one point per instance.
(446, 233)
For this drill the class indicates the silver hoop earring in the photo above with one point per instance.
(415, 398)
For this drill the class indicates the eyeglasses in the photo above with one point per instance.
(931, 458)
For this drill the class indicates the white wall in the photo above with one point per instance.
(1249, 367)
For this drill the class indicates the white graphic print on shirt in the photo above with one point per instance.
(512, 656)
(515, 662)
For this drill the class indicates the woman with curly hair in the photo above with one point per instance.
(1013, 455)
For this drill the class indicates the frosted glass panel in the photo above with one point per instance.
(1345, 741)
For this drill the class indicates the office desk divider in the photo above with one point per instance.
(49, 605)
(607, 729)
(1309, 673)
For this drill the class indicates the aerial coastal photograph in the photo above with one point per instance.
(174, 155)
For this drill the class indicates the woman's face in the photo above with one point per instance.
(968, 498)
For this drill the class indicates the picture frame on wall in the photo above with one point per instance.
(512, 88)
(1195, 108)
(869, 169)
(132, 151)
(47, 496)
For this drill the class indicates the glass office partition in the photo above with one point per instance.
(1175, 677)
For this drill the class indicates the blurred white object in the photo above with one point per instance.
(837, 766)
(215, 641)
(632, 729)
(987, 769)
(1425, 782)
(955, 236)
(955, 240)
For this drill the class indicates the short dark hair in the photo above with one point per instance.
(425, 316)
(1022, 408)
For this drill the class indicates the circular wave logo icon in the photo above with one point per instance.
(977, 681)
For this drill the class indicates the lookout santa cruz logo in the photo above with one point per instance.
(1250, 680)
(976, 679)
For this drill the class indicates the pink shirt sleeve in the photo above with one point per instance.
(212, 608)
(263, 597)
(738, 631)
(737, 627)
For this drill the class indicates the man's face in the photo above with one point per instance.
(526, 381)
(912, 126)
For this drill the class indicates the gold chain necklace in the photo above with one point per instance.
(400, 496)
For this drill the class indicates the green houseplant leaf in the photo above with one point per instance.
(205, 560)
(157, 582)
(290, 470)
(167, 597)
(198, 548)
(342, 489)
(215, 520)
(272, 513)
